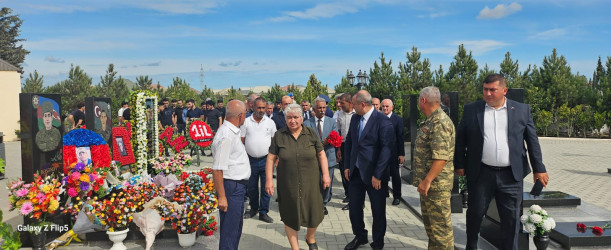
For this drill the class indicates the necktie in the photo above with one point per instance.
(361, 126)
(320, 129)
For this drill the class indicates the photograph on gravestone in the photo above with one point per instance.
(99, 116)
(83, 155)
(41, 134)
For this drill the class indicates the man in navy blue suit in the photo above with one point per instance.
(490, 151)
(368, 153)
(398, 151)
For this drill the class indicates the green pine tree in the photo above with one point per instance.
(382, 79)
(11, 47)
(33, 84)
(462, 76)
(313, 89)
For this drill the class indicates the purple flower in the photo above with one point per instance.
(84, 186)
(79, 167)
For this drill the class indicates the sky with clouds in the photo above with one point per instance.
(244, 43)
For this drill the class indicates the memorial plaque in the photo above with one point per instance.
(569, 236)
(98, 116)
(41, 134)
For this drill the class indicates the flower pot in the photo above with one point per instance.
(117, 239)
(38, 240)
(541, 241)
(465, 198)
(186, 240)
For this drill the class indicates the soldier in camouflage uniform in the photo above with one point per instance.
(434, 169)
(48, 137)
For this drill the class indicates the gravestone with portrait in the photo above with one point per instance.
(41, 134)
(99, 116)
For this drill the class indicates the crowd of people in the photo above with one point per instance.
(288, 137)
(256, 138)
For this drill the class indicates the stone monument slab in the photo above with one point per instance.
(98, 117)
(567, 234)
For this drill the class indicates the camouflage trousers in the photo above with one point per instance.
(436, 216)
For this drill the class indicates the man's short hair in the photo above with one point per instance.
(431, 94)
(191, 101)
(165, 100)
(496, 77)
(260, 99)
(174, 100)
(319, 99)
(305, 101)
(347, 97)
(202, 103)
(123, 103)
(210, 102)
(80, 105)
(160, 103)
(363, 97)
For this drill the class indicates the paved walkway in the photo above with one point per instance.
(576, 166)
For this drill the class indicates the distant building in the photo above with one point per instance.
(10, 82)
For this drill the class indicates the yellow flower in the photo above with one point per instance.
(53, 205)
(46, 188)
(111, 229)
(117, 211)
(84, 178)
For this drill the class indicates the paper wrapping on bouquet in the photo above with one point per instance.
(86, 222)
(169, 183)
(150, 223)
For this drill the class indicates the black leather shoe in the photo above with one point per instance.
(376, 248)
(266, 218)
(396, 201)
(346, 200)
(249, 214)
(354, 244)
(326, 211)
(346, 207)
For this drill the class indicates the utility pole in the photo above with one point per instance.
(201, 76)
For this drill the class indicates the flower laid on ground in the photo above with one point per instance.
(188, 218)
(35, 200)
(536, 221)
(171, 165)
(596, 230)
(334, 139)
(209, 226)
(83, 180)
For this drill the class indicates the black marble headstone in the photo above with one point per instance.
(98, 116)
(41, 134)
(567, 234)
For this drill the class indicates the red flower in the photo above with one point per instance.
(208, 233)
(597, 231)
(334, 139)
(581, 226)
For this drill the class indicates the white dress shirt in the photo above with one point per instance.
(228, 153)
(496, 145)
(389, 114)
(343, 123)
(257, 135)
(366, 118)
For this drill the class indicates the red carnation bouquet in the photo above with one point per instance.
(334, 139)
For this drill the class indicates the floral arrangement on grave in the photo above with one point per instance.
(116, 212)
(536, 221)
(172, 165)
(208, 192)
(85, 221)
(334, 139)
(596, 230)
(83, 180)
(209, 226)
(36, 200)
(188, 218)
(151, 220)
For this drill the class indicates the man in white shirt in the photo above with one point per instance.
(230, 171)
(257, 133)
(343, 124)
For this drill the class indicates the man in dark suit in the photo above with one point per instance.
(278, 117)
(490, 151)
(398, 151)
(368, 153)
(323, 125)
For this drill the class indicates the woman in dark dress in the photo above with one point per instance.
(299, 152)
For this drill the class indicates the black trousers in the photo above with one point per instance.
(396, 179)
(341, 168)
(377, 199)
(500, 184)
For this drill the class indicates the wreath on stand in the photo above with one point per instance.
(200, 136)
